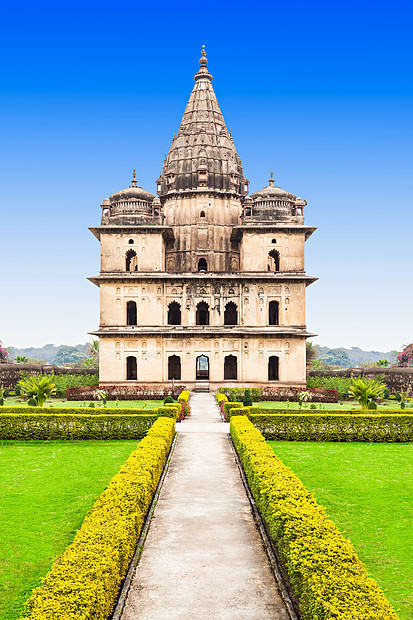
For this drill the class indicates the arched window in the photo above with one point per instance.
(131, 261)
(131, 313)
(174, 367)
(202, 313)
(231, 314)
(202, 265)
(202, 214)
(273, 368)
(202, 368)
(274, 241)
(273, 313)
(230, 367)
(273, 261)
(131, 242)
(131, 368)
(174, 313)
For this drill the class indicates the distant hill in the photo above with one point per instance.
(350, 358)
(52, 353)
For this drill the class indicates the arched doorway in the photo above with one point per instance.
(273, 261)
(174, 313)
(202, 368)
(202, 313)
(273, 313)
(202, 264)
(230, 314)
(230, 367)
(273, 368)
(174, 367)
(131, 368)
(131, 313)
(131, 261)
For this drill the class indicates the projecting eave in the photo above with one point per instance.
(166, 231)
(212, 331)
(253, 276)
(263, 227)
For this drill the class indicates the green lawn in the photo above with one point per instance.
(367, 490)
(46, 488)
(111, 404)
(349, 404)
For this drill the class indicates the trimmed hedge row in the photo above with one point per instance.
(184, 396)
(266, 411)
(324, 570)
(335, 427)
(166, 411)
(229, 406)
(151, 391)
(84, 582)
(28, 426)
(318, 395)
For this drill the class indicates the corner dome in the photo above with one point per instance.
(272, 192)
(132, 193)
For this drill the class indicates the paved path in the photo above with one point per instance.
(203, 557)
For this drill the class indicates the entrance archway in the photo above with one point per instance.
(202, 313)
(273, 368)
(230, 367)
(202, 368)
(174, 367)
(131, 368)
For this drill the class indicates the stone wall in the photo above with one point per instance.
(396, 379)
(10, 374)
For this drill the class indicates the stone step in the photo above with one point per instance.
(201, 386)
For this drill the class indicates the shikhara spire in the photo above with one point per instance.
(203, 153)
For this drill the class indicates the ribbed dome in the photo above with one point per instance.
(203, 153)
(272, 191)
(131, 201)
(273, 203)
(132, 193)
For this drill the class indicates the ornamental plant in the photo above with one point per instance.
(101, 396)
(405, 358)
(366, 392)
(4, 355)
(37, 389)
(303, 398)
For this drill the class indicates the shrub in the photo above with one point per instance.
(6, 392)
(366, 391)
(341, 384)
(168, 400)
(324, 570)
(247, 400)
(31, 402)
(26, 427)
(17, 390)
(84, 582)
(221, 398)
(228, 407)
(1, 400)
(332, 427)
(281, 394)
(91, 405)
(38, 389)
(184, 396)
(168, 411)
(372, 406)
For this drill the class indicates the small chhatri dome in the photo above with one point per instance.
(273, 203)
(272, 191)
(132, 193)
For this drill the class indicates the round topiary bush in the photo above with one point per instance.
(372, 405)
(32, 402)
(168, 399)
(91, 404)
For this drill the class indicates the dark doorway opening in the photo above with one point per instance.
(273, 261)
(131, 368)
(231, 314)
(202, 265)
(202, 368)
(273, 368)
(174, 313)
(131, 313)
(131, 261)
(230, 367)
(174, 367)
(202, 313)
(273, 313)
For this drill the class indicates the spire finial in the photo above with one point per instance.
(271, 181)
(134, 181)
(203, 67)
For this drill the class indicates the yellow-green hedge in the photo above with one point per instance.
(221, 398)
(122, 411)
(184, 395)
(324, 570)
(83, 584)
(228, 407)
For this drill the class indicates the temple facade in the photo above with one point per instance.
(202, 283)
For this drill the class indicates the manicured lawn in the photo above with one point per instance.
(367, 490)
(111, 404)
(46, 488)
(349, 404)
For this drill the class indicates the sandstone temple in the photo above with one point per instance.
(203, 282)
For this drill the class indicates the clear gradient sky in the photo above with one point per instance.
(320, 93)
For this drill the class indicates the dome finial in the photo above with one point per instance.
(203, 67)
(271, 181)
(134, 181)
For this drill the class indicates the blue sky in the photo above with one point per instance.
(320, 93)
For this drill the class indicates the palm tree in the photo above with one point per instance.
(38, 388)
(366, 392)
(94, 348)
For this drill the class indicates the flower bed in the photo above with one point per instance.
(318, 395)
(324, 570)
(123, 392)
(84, 582)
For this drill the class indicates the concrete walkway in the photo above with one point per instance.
(203, 557)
